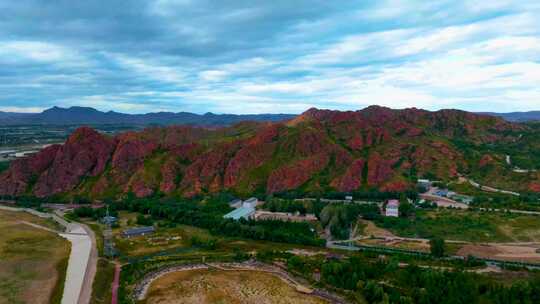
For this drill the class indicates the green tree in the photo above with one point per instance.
(437, 247)
(406, 209)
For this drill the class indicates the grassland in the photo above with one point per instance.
(210, 286)
(32, 261)
(101, 289)
(470, 226)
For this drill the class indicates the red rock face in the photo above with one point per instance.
(396, 186)
(352, 179)
(255, 152)
(486, 160)
(292, 176)
(141, 189)
(85, 153)
(379, 169)
(357, 142)
(169, 174)
(534, 187)
(202, 173)
(17, 178)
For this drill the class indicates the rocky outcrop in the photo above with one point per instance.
(293, 176)
(486, 160)
(352, 179)
(379, 169)
(24, 172)
(85, 153)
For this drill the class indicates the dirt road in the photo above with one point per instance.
(115, 284)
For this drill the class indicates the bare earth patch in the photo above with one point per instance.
(214, 286)
(29, 259)
(502, 252)
(371, 229)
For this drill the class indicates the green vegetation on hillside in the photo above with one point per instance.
(4, 165)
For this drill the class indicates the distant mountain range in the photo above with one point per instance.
(91, 116)
(518, 116)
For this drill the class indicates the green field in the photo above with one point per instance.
(468, 226)
(101, 289)
(32, 261)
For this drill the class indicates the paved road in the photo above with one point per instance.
(81, 248)
(91, 268)
(490, 189)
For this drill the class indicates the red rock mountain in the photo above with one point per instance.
(320, 150)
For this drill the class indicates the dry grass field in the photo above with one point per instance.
(231, 287)
(32, 261)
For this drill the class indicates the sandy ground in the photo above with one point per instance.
(205, 286)
(371, 229)
(520, 253)
(417, 245)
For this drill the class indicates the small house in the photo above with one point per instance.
(392, 208)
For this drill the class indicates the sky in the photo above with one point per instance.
(269, 56)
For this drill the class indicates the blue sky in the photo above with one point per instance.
(269, 56)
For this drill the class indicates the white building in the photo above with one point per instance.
(392, 208)
(425, 183)
(250, 202)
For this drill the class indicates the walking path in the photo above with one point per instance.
(115, 284)
(490, 189)
(516, 168)
(82, 259)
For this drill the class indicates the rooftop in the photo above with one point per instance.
(239, 213)
(393, 203)
(139, 230)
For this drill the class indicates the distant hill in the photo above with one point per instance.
(91, 116)
(517, 116)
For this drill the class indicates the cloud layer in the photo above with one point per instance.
(270, 56)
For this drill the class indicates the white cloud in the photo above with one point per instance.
(21, 51)
(148, 68)
(212, 75)
(21, 109)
